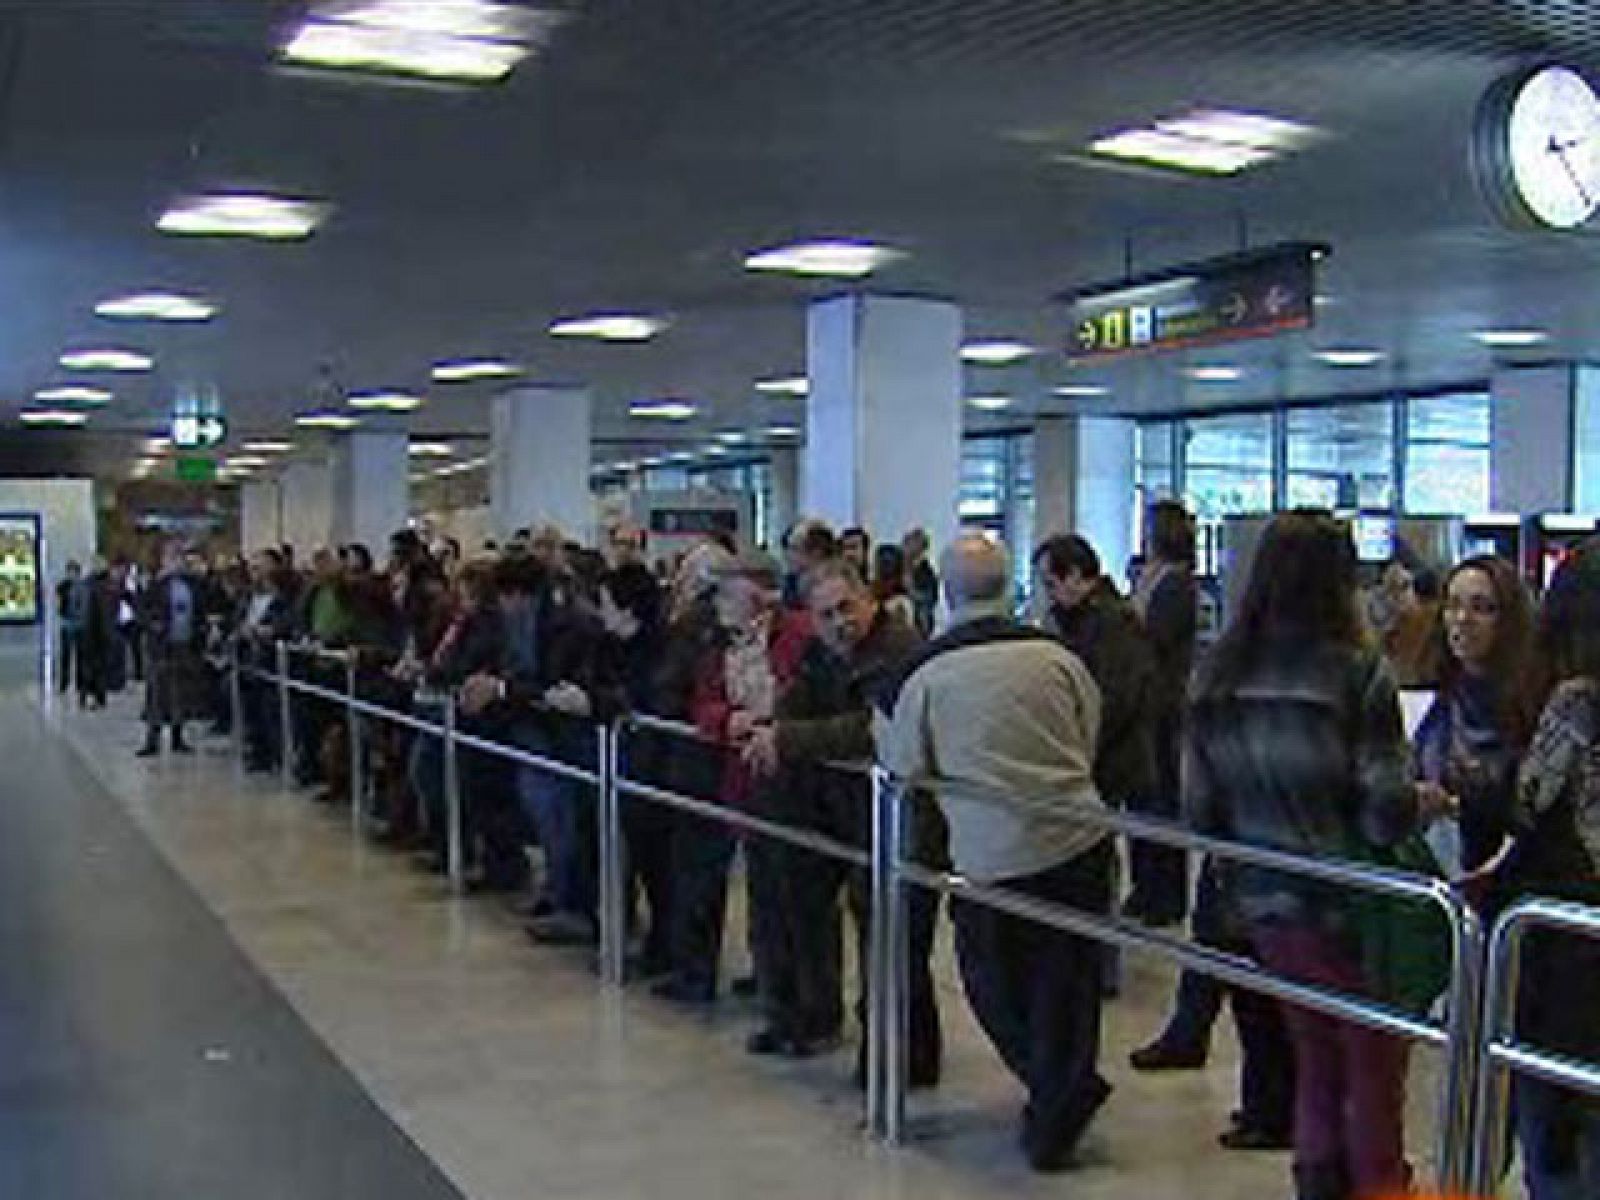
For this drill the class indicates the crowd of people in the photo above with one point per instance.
(1286, 733)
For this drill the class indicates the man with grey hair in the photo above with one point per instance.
(999, 721)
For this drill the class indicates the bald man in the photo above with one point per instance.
(995, 709)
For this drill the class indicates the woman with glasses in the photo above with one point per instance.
(1468, 743)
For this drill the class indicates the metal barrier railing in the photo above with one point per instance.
(1499, 1053)
(892, 872)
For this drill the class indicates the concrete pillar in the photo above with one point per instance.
(1083, 483)
(883, 440)
(306, 511)
(1531, 453)
(371, 487)
(260, 517)
(539, 458)
(785, 493)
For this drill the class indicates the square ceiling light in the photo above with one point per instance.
(846, 259)
(1207, 141)
(468, 370)
(156, 306)
(243, 214)
(997, 353)
(108, 359)
(663, 410)
(459, 41)
(610, 327)
(72, 393)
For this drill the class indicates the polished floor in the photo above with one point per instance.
(507, 1066)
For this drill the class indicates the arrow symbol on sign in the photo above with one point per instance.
(1277, 301)
(1235, 308)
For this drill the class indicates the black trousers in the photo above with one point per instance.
(702, 852)
(1037, 993)
(65, 661)
(1161, 873)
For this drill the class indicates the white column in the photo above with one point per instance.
(1531, 452)
(260, 518)
(883, 442)
(306, 515)
(539, 459)
(371, 488)
(1083, 484)
(785, 492)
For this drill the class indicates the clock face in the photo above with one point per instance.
(1552, 140)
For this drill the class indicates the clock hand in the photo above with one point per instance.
(1573, 175)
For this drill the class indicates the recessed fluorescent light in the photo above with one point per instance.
(326, 420)
(783, 431)
(72, 394)
(465, 370)
(459, 18)
(340, 47)
(1081, 390)
(610, 327)
(245, 462)
(995, 353)
(733, 437)
(1207, 141)
(1349, 358)
(431, 450)
(1510, 339)
(682, 456)
(272, 218)
(106, 360)
(156, 306)
(384, 401)
(789, 385)
(268, 446)
(53, 416)
(663, 410)
(1321, 301)
(1215, 374)
(989, 403)
(717, 451)
(157, 445)
(843, 258)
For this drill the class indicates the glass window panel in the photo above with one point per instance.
(1447, 455)
(1228, 465)
(1341, 456)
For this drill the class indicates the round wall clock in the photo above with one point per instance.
(1537, 148)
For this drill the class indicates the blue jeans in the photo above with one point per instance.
(1560, 1137)
(555, 809)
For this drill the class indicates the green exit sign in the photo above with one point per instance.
(196, 470)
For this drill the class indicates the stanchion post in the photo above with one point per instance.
(357, 780)
(1493, 1083)
(613, 860)
(1458, 1090)
(880, 1022)
(285, 712)
(454, 855)
(897, 968)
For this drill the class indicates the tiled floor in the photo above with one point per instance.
(520, 1076)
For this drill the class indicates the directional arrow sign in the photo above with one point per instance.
(191, 432)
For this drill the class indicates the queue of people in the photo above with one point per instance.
(1287, 733)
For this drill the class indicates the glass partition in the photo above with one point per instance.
(1228, 465)
(1341, 457)
(1447, 455)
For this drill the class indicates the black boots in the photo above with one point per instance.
(1322, 1183)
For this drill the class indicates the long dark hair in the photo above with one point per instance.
(1302, 585)
(1510, 666)
(1568, 640)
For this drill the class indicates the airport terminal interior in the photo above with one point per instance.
(905, 599)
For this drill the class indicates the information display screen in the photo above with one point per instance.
(1255, 294)
(19, 570)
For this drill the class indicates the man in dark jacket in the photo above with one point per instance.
(823, 720)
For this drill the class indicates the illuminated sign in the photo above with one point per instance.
(19, 570)
(1255, 294)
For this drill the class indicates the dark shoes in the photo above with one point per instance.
(744, 987)
(181, 747)
(1051, 1151)
(1255, 1138)
(148, 750)
(562, 929)
(681, 991)
(1162, 1055)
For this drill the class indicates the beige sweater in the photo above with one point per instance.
(1019, 717)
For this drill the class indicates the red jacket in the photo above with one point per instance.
(711, 709)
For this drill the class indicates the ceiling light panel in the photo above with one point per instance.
(53, 416)
(1081, 390)
(468, 370)
(431, 449)
(106, 360)
(268, 446)
(1511, 339)
(384, 401)
(1215, 374)
(783, 431)
(327, 420)
(1208, 141)
(484, 19)
(1349, 358)
(246, 215)
(341, 47)
(790, 385)
(997, 353)
(610, 327)
(989, 403)
(839, 259)
(72, 394)
(156, 306)
(663, 410)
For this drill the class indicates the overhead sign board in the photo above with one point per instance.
(1254, 294)
(194, 432)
